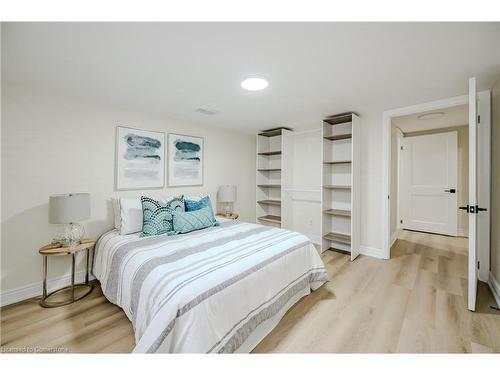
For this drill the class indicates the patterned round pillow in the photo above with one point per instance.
(158, 218)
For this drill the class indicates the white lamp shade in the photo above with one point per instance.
(226, 194)
(69, 208)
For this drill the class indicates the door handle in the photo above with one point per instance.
(453, 191)
(473, 209)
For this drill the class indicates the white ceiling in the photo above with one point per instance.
(453, 116)
(314, 69)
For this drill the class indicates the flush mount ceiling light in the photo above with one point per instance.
(430, 116)
(254, 84)
(205, 111)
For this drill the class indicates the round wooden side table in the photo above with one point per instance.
(56, 249)
(232, 216)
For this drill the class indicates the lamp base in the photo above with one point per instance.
(227, 209)
(72, 235)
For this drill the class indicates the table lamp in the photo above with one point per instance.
(68, 209)
(227, 195)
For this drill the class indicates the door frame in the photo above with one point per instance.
(484, 100)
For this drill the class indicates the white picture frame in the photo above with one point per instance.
(140, 159)
(185, 160)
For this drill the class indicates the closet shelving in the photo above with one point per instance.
(269, 175)
(340, 219)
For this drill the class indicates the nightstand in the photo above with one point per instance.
(56, 249)
(223, 217)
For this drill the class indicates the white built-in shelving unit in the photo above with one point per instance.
(270, 175)
(340, 201)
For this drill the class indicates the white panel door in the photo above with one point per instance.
(471, 208)
(479, 189)
(429, 183)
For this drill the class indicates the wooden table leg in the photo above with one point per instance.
(87, 273)
(44, 291)
(73, 276)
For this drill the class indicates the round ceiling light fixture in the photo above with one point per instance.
(430, 115)
(254, 84)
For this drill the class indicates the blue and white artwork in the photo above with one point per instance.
(140, 159)
(185, 160)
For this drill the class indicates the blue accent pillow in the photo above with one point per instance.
(185, 222)
(197, 205)
(158, 216)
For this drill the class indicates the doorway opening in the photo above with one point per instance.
(430, 172)
(433, 154)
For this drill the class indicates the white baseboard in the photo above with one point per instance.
(35, 289)
(495, 288)
(372, 252)
(315, 238)
(461, 232)
(394, 237)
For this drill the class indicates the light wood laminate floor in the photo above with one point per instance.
(414, 302)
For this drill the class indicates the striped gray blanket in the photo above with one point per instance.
(217, 290)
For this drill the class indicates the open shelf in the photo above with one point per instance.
(344, 187)
(272, 202)
(339, 119)
(270, 174)
(340, 179)
(338, 237)
(342, 251)
(269, 153)
(271, 219)
(338, 137)
(338, 162)
(273, 132)
(335, 212)
(269, 186)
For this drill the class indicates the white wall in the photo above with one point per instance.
(371, 181)
(52, 144)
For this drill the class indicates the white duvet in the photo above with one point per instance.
(218, 290)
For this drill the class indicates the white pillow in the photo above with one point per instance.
(130, 218)
(117, 214)
(130, 215)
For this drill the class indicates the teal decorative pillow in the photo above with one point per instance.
(189, 221)
(192, 205)
(158, 216)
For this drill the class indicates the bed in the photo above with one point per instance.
(216, 290)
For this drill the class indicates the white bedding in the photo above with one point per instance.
(218, 290)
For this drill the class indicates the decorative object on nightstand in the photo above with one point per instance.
(227, 196)
(69, 209)
(56, 249)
